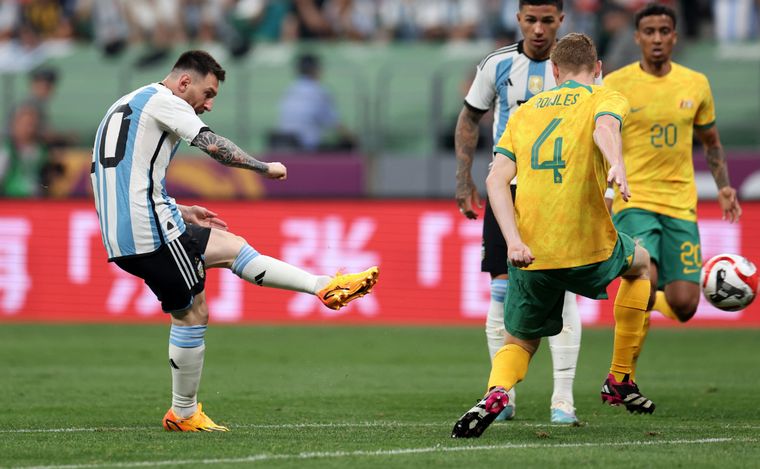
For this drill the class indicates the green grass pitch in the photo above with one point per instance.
(91, 396)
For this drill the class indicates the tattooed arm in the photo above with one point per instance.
(465, 142)
(226, 152)
(716, 160)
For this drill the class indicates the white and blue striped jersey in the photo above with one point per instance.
(135, 143)
(505, 79)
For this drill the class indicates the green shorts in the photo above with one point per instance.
(535, 299)
(673, 244)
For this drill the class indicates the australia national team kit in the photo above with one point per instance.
(659, 130)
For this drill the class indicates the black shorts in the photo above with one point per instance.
(176, 272)
(494, 247)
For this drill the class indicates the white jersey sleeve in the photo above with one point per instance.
(176, 115)
(483, 88)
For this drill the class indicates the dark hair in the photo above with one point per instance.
(201, 62)
(556, 3)
(307, 64)
(654, 9)
(44, 73)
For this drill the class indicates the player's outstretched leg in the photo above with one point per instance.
(198, 422)
(564, 348)
(345, 288)
(626, 392)
(248, 264)
(475, 421)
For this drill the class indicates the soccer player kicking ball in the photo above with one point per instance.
(669, 104)
(169, 246)
(565, 144)
(506, 78)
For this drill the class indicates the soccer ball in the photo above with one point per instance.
(729, 282)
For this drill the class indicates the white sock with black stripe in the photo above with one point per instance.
(270, 272)
(186, 351)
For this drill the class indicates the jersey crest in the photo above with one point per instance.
(535, 84)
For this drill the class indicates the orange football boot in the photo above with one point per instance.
(198, 422)
(345, 288)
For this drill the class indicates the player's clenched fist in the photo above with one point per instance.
(519, 255)
(276, 170)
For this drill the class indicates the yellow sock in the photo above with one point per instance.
(661, 305)
(510, 364)
(640, 343)
(630, 305)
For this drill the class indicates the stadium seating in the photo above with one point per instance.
(399, 98)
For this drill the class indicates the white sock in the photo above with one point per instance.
(270, 272)
(565, 347)
(495, 331)
(186, 349)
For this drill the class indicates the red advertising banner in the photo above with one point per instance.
(53, 265)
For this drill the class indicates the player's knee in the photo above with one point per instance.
(228, 248)
(640, 267)
(195, 315)
(235, 244)
(530, 345)
(684, 307)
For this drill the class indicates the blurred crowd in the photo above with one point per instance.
(32, 30)
(116, 24)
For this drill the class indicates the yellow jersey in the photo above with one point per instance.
(559, 208)
(657, 139)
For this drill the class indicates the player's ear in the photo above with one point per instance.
(555, 72)
(561, 18)
(637, 37)
(598, 69)
(184, 81)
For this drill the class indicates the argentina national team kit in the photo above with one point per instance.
(141, 226)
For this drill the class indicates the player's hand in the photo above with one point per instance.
(617, 176)
(519, 255)
(467, 196)
(202, 216)
(276, 170)
(729, 204)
